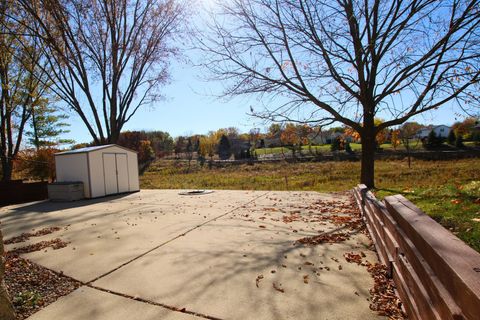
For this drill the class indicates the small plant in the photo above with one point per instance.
(476, 137)
(348, 148)
(451, 138)
(459, 142)
(201, 160)
(29, 298)
(472, 189)
(433, 141)
(224, 148)
(336, 144)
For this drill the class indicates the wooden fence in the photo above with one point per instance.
(436, 274)
(18, 192)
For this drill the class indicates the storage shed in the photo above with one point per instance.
(104, 170)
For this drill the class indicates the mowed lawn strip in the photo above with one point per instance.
(449, 191)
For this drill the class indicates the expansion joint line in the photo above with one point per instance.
(173, 239)
(166, 306)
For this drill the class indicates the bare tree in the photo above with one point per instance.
(109, 57)
(347, 60)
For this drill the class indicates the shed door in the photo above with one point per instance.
(122, 172)
(110, 173)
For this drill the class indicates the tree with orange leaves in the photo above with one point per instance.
(395, 138)
(294, 136)
(381, 137)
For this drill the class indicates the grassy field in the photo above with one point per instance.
(449, 191)
(414, 145)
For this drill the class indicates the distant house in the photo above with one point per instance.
(326, 137)
(441, 131)
(317, 138)
(272, 142)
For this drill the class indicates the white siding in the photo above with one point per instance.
(96, 172)
(73, 167)
(133, 171)
(442, 131)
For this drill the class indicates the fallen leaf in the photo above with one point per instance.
(305, 279)
(278, 288)
(257, 281)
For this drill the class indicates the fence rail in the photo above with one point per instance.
(437, 275)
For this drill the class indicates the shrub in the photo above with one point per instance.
(433, 141)
(336, 144)
(348, 148)
(459, 142)
(201, 160)
(451, 138)
(224, 148)
(476, 137)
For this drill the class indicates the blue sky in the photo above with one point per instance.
(191, 108)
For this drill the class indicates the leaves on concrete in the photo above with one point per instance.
(305, 279)
(55, 244)
(257, 281)
(384, 300)
(323, 238)
(353, 257)
(278, 287)
(27, 235)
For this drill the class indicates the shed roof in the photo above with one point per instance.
(91, 149)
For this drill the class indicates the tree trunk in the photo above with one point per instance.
(35, 132)
(7, 168)
(367, 175)
(407, 146)
(6, 309)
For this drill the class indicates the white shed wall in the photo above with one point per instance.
(73, 167)
(133, 171)
(97, 170)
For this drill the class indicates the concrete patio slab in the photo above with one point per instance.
(213, 270)
(102, 236)
(227, 255)
(87, 303)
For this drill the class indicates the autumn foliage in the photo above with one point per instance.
(137, 141)
(381, 137)
(395, 138)
(36, 164)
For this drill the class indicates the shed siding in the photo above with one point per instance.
(133, 171)
(71, 168)
(96, 172)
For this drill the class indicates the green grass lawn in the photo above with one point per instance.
(449, 191)
(414, 145)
